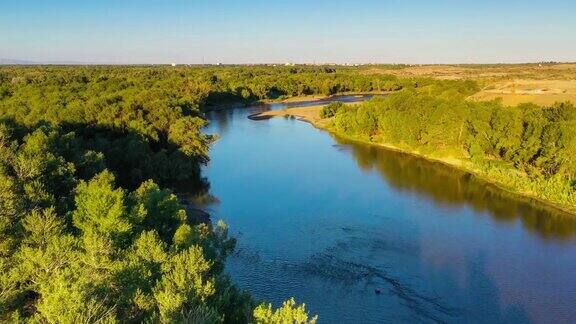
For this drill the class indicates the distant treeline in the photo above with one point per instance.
(89, 227)
(183, 86)
(527, 149)
(146, 120)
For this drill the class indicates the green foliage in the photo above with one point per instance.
(528, 149)
(198, 314)
(145, 123)
(288, 313)
(101, 208)
(184, 281)
(87, 232)
(110, 263)
(41, 227)
(331, 109)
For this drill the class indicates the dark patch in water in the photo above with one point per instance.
(249, 256)
(342, 147)
(330, 267)
(347, 229)
(258, 116)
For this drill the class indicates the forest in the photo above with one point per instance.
(526, 149)
(90, 227)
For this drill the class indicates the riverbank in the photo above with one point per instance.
(312, 115)
(309, 114)
(320, 97)
(292, 100)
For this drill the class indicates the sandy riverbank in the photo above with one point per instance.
(309, 114)
(291, 100)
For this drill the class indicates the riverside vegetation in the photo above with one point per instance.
(526, 149)
(90, 229)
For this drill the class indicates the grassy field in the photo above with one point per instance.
(542, 84)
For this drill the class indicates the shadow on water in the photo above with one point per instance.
(442, 184)
(451, 187)
(481, 294)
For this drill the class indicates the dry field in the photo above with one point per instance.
(542, 84)
(540, 92)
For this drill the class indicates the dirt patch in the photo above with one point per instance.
(565, 71)
(542, 84)
(540, 92)
(309, 114)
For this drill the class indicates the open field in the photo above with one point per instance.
(542, 84)
(564, 71)
(540, 92)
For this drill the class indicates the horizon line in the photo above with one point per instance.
(14, 62)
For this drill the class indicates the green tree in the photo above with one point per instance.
(288, 313)
(100, 208)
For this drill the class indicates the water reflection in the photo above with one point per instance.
(435, 181)
(453, 188)
(331, 228)
(224, 117)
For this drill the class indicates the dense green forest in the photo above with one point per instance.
(90, 229)
(182, 86)
(527, 149)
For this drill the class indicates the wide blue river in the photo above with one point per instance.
(365, 235)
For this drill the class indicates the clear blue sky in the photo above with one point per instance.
(236, 31)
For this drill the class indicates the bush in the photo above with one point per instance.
(331, 109)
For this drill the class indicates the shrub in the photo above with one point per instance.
(331, 109)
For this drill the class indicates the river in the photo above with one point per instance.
(366, 235)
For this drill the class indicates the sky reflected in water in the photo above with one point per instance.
(332, 223)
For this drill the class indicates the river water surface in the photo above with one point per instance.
(365, 235)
